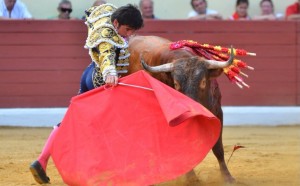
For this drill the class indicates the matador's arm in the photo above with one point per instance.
(106, 62)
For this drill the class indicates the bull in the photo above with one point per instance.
(186, 72)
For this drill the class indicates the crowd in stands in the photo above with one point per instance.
(202, 12)
(16, 9)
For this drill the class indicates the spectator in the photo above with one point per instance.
(99, 2)
(267, 11)
(241, 10)
(64, 10)
(201, 12)
(146, 8)
(13, 9)
(293, 11)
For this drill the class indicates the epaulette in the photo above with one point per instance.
(99, 12)
(105, 33)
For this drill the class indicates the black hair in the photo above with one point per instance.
(262, 1)
(128, 15)
(238, 2)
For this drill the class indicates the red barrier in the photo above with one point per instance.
(41, 61)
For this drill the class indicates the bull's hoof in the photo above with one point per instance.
(229, 179)
(38, 173)
(192, 177)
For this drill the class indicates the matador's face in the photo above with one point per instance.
(123, 30)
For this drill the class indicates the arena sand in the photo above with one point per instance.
(271, 157)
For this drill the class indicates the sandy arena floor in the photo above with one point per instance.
(271, 157)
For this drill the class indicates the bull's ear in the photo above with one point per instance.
(214, 73)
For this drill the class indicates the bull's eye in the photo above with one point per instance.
(203, 83)
(176, 85)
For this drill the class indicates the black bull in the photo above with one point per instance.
(187, 73)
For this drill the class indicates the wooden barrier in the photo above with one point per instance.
(41, 61)
(298, 64)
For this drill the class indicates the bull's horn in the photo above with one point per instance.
(168, 67)
(213, 64)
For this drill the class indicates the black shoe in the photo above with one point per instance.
(38, 173)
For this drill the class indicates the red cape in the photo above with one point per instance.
(132, 136)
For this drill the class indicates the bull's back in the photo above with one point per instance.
(150, 48)
(154, 51)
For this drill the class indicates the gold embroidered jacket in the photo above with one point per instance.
(103, 41)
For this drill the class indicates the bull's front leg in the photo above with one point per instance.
(218, 148)
(218, 151)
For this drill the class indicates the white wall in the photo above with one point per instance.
(48, 117)
(164, 9)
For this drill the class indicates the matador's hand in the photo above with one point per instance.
(111, 80)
